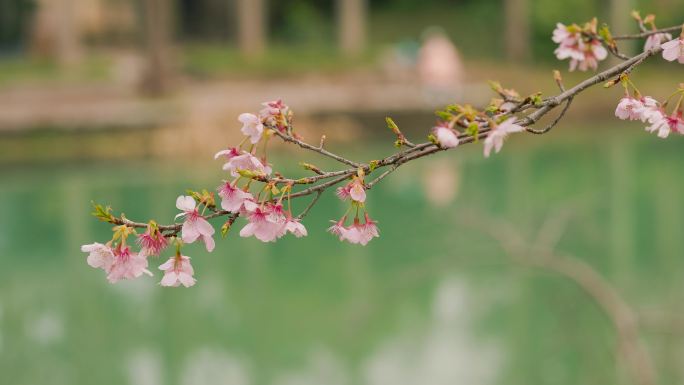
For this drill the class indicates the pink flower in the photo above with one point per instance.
(674, 50)
(647, 107)
(357, 233)
(263, 225)
(496, 136)
(273, 108)
(229, 153)
(676, 122)
(343, 192)
(354, 234)
(354, 190)
(177, 271)
(127, 265)
(251, 126)
(665, 124)
(248, 207)
(276, 214)
(100, 256)
(357, 192)
(152, 242)
(629, 108)
(653, 41)
(296, 228)
(446, 137)
(562, 35)
(274, 114)
(338, 227)
(575, 53)
(194, 226)
(583, 52)
(248, 162)
(658, 122)
(232, 198)
(593, 53)
(370, 230)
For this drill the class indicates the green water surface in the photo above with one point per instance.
(434, 300)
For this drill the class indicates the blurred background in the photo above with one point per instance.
(124, 102)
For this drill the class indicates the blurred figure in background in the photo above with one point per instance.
(440, 68)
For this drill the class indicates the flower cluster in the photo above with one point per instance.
(116, 258)
(650, 111)
(356, 233)
(579, 44)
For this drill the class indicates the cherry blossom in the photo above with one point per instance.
(100, 256)
(357, 233)
(338, 227)
(274, 113)
(370, 228)
(194, 226)
(446, 137)
(584, 52)
(251, 126)
(354, 190)
(343, 192)
(674, 50)
(655, 40)
(232, 198)
(152, 241)
(177, 270)
(248, 162)
(646, 108)
(273, 108)
(593, 53)
(496, 136)
(127, 265)
(629, 108)
(564, 35)
(263, 224)
(296, 228)
(674, 122)
(228, 154)
(658, 123)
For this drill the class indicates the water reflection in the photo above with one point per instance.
(431, 302)
(446, 353)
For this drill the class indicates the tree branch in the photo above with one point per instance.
(325, 180)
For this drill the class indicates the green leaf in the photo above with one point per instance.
(444, 115)
(372, 165)
(103, 213)
(472, 130)
(391, 125)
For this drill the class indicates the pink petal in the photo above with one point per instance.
(186, 279)
(170, 279)
(189, 232)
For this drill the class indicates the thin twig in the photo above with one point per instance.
(648, 33)
(311, 204)
(319, 149)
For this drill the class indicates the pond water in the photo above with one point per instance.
(435, 300)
